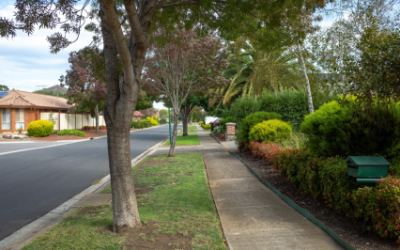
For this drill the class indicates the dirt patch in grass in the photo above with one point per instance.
(349, 229)
(91, 211)
(148, 237)
(150, 163)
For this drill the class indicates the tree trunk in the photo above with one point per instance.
(187, 108)
(303, 66)
(118, 115)
(185, 125)
(96, 113)
(174, 134)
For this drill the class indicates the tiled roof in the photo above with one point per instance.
(137, 113)
(17, 98)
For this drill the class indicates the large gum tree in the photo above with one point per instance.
(230, 17)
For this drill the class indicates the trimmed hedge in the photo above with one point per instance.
(144, 123)
(251, 120)
(101, 127)
(327, 179)
(40, 128)
(153, 120)
(343, 130)
(270, 131)
(70, 132)
(206, 127)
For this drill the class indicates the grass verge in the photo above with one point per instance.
(189, 137)
(189, 132)
(192, 128)
(185, 142)
(175, 206)
(70, 132)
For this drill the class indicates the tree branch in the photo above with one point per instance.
(188, 2)
(135, 23)
(123, 50)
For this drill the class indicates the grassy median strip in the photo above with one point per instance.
(189, 132)
(188, 137)
(185, 142)
(175, 206)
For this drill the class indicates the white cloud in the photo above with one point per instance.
(159, 105)
(26, 61)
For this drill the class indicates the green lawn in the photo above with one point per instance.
(174, 201)
(192, 128)
(184, 142)
(189, 137)
(189, 132)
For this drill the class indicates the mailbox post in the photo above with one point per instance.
(367, 169)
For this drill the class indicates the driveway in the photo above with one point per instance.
(36, 180)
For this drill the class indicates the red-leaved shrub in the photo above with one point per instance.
(101, 127)
(327, 179)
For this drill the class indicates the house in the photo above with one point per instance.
(137, 115)
(19, 108)
(150, 112)
(2, 94)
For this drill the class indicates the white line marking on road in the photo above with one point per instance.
(12, 142)
(30, 149)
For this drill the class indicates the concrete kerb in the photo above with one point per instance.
(28, 233)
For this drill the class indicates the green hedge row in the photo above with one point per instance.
(326, 179)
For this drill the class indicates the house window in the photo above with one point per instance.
(5, 119)
(19, 118)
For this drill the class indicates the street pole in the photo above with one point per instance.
(169, 113)
(169, 120)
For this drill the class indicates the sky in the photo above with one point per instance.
(27, 64)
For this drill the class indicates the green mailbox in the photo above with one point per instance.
(367, 169)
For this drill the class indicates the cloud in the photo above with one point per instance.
(26, 61)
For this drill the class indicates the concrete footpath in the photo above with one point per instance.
(252, 216)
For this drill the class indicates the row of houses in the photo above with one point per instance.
(19, 108)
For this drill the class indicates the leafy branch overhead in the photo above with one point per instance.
(257, 18)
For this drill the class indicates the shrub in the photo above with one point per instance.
(291, 105)
(163, 121)
(144, 123)
(327, 179)
(297, 140)
(270, 131)
(153, 120)
(101, 127)
(243, 107)
(40, 128)
(206, 127)
(381, 205)
(337, 129)
(265, 151)
(251, 120)
(70, 132)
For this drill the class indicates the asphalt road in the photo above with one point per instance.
(37, 180)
